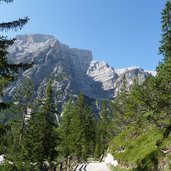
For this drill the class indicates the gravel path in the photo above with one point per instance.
(95, 166)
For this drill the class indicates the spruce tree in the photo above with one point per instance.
(165, 48)
(9, 70)
(33, 141)
(103, 130)
(154, 95)
(163, 78)
(14, 140)
(48, 113)
(86, 128)
(78, 129)
(23, 99)
(164, 68)
(67, 143)
(119, 107)
(3, 138)
(40, 140)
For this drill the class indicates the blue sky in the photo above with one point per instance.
(122, 32)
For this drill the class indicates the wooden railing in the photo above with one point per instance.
(67, 164)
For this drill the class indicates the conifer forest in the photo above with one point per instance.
(134, 126)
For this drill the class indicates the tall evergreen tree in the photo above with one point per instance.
(119, 106)
(86, 127)
(165, 48)
(67, 144)
(3, 138)
(40, 140)
(164, 68)
(78, 129)
(23, 99)
(48, 114)
(103, 130)
(163, 78)
(8, 70)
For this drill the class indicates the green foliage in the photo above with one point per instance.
(3, 138)
(136, 146)
(165, 48)
(103, 130)
(164, 69)
(8, 70)
(140, 144)
(40, 139)
(13, 140)
(84, 119)
(140, 119)
(145, 143)
(61, 76)
(77, 129)
(66, 132)
(31, 139)
(163, 78)
(123, 107)
(7, 115)
(119, 169)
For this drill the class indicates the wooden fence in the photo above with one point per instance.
(67, 164)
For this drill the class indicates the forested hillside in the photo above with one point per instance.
(143, 115)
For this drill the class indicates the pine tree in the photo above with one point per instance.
(163, 78)
(77, 129)
(119, 107)
(33, 141)
(152, 99)
(8, 70)
(103, 130)
(82, 133)
(23, 99)
(3, 138)
(165, 48)
(164, 68)
(67, 144)
(48, 114)
(40, 140)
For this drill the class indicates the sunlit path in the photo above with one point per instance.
(95, 166)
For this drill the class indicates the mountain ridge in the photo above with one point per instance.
(72, 70)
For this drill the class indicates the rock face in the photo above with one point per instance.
(72, 70)
(131, 74)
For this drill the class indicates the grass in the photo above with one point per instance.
(118, 169)
(1, 168)
(136, 143)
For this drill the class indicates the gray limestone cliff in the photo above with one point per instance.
(71, 70)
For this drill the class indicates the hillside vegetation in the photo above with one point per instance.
(144, 115)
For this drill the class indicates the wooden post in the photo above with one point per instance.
(60, 167)
(69, 162)
(66, 164)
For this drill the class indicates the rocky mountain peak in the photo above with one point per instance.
(102, 72)
(72, 70)
(37, 38)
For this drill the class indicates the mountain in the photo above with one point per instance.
(72, 70)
